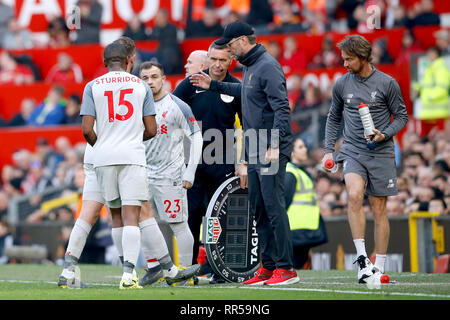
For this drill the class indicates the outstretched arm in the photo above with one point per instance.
(204, 81)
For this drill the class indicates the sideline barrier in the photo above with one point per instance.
(340, 244)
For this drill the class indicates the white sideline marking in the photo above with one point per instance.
(273, 288)
(354, 292)
(54, 282)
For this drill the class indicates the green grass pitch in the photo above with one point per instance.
(38, 282)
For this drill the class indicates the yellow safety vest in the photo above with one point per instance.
(434, 91)
(304, 212)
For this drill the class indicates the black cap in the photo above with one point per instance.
(234, 30)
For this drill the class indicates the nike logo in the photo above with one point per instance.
(199, 91)
(228, 174)
(126, 285)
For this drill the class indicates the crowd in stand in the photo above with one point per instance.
(34, 171)
(423, 169)
(267, 16)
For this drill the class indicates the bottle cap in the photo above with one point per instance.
(329, 164)
(362, 105)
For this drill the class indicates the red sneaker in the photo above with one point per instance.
(282, 277)
(261, 276)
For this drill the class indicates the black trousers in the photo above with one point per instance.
(207, 179)
(267, 204)
(301, 256)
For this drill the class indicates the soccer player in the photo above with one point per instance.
(123, 107)
(92, 204)
(365, 170)
(168, 177)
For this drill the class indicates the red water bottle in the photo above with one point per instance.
(331, 166)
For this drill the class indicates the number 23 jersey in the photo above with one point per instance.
(118, 101)
(165, 152)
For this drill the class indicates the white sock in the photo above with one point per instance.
(172, 272)
(360, 245)
(78, 238)
(66, 273)
(152, 240)
(380, 259)
(185, 242)
(152, 263)
(131, 240)
(128, 277)
(116, 234)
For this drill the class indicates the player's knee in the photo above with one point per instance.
(146, 212)
(355, 197)
(380, 216)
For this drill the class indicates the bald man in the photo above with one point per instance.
(196, 62)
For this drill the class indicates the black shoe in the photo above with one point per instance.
(205, 269)
(216, 279)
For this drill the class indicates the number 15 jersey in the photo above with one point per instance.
(118, 100)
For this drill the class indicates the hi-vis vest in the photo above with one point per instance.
(434, 91)
(304, 212)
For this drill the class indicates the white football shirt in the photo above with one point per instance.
(165, 152)
(118, 101)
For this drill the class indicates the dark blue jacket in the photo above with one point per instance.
(54, 117)
(212, 109)
(265, 103)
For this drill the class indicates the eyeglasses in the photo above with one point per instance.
(229, 43)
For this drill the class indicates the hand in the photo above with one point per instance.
(242, 173)
(378, 137)
(187, 184)
(201, 80)
(272, 155)
(326, 157)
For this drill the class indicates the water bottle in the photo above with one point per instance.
(366, 119)
(331, 166)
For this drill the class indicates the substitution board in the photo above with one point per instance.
(229, 233)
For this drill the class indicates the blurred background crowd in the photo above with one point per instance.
(423, 160)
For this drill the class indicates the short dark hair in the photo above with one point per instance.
(214, 45)
(148, 64)
(75, 98)
(358, 46)
(128, 43)
(58, 88)
(436, 50)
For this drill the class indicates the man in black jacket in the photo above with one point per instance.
(268, 145)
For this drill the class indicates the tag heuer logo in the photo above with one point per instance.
(213, 230)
